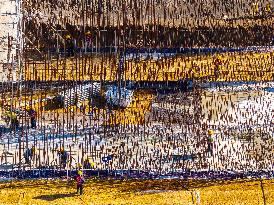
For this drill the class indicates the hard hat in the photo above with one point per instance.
(67, 36)
(210, 132)
(88, 33)
(80, 172)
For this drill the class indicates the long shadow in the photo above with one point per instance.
(177, 185)
(52, 197)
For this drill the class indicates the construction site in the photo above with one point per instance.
(136, 87)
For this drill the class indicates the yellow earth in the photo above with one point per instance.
(157, 192)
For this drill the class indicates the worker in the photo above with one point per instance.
(210, 142)
(88, 39)
(80, 181)
(255, 8)
(69, 45)
(29, 154)
(63, 157)
(12, 117)
(88, 164)
(268, 7)
(32, 114)
(79, 166)
(217, 64)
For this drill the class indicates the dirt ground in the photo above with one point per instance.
(139, 192)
